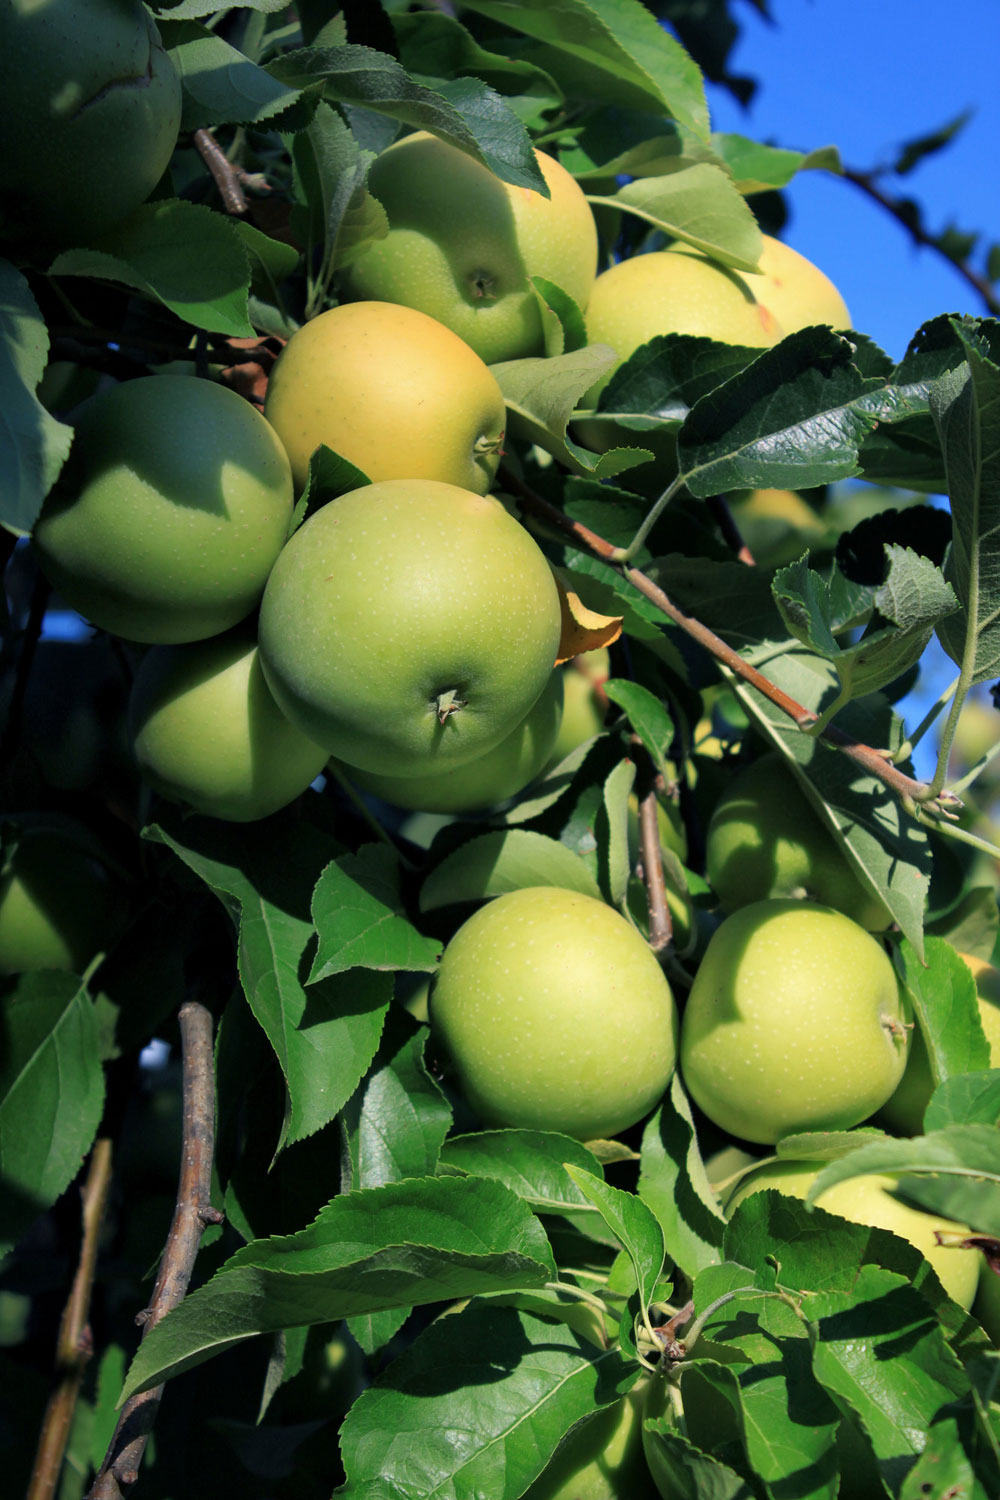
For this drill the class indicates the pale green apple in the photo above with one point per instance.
(462, 244)
(206, 731)
(797, 291)
(794, 1022)
(59, 902)
(583, 677)
(904, 1111)
(92, 107)
(556, 1014)
(409, 626)
(602, 1460)
(392, 390)
(869, 1200)
(674, 291)
(765, 839)
(484, 782)
(175, 502)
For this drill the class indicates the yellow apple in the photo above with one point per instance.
(205, 730)
(392, 390)
(462, 244)
(869, 1200)
(674, 291)
(794, 1022)
(765, 839)
(797, 292)
(904, 1111)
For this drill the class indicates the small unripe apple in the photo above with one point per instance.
(764, 839)
(486, 781)
(206, 731)
(59, 903)
(556, 1014)
(904, 1111)
(409, 626)
(797, 291)
(869, 1200)
(794, 1022)
(392, 390)
(462, 244)
(174, 504)
(92, 106)
(583, 709)
(674, 291)
(602, 1460)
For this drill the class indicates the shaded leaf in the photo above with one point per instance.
(35, 444)
(358, 912)
(221, 86)
(965, 1099)
(942, 993)
(697, 204)
(673, 1181)
(634, 1225)
(492, 863)
(648, 716)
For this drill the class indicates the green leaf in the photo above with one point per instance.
(699, 205)
(633, 1224)
(648, 716)
(913, 599)
(966, 409)
(913, 152)
(187, 9)
(793, 418)
(393, 1128)
(181, 254)
(612, 830)
(619, 50)
(965, 1099)
(532, 1163)
(942, 992)
(467, 113)
(960, 1457)
(881, 1353)
(492, 863)
(324, 1037)
(757, 168)
(221, 86)
(690, 1473)
(475, 1407)
(51, 1094)
(667, 375)
(887, 850)
(333, 210)
(358, 912)
(562, 320)
(404, 1245)
(673, 1181)
(35, 444)
(541, 395)
(434, 47)
(958, 1168)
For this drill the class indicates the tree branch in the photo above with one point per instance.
(74, 1346)
(193, 1212)
(224, 174)
(875, 762)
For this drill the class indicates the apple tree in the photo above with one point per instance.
(269, 1224)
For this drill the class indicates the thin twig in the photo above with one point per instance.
(224, 174)
(874, 761)
(74, 1346)
(193, 1212)
(897, 207)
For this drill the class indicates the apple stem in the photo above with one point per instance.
(448, 703)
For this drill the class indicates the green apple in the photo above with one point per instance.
(797, 292)
(869, 1200)
(674, 291)
(555, 1014)
(462, 244)
(392, 390)
(583, 709)
(409, 626)
(601, 1460)
(764, 839)
(206, 731)
(176, 500)
(486, 781)
(794, 1022)
(92, 107)
(59, 903)
(904, 1110)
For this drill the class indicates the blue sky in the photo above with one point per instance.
(867, 75)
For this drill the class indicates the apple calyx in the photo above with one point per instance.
(483, 286)
(485, 446)
(898, 1030)
(447, 703)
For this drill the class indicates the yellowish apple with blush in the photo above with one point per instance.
(462, 244)
(797, 291)
(392, 390)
